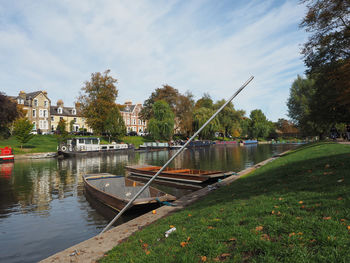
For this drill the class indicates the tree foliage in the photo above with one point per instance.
(327, 56)
(97, 98)
(8, 113)
(115, 126)
(259, 126)
(200, 116)
(23, 130)
(161, 126)
(184, 113)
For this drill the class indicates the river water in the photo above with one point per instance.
(43, 209)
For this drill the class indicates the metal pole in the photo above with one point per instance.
(175, 155)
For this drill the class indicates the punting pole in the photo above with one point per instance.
(175, 155)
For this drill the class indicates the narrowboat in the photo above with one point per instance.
(87, 145)
(116, 191)
(191, 176)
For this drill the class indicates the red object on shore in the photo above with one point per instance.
(6, 154)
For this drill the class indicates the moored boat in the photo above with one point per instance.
(248, 142)
(116, 191)
(6, 155)
(192, 176)
(85, 145)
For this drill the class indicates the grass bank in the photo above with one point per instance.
(294, 209)
(38, 144)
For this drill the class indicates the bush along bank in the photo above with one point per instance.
(294, 209)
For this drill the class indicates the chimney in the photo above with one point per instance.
(44, 92)
(22, 94)
(60, 103)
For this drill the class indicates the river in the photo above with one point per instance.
(43, 209)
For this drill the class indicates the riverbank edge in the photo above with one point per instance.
(41, 155)
(95, 248)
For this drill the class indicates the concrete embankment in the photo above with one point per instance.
(35, 155)
(95, 247)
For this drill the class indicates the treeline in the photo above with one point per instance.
(169, 112)
(321, 100)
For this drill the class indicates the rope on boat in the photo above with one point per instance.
(164, 202)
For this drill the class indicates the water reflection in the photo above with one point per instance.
(43, 208)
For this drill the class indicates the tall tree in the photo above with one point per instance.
(8, 113)
(259, 127)
(200, 116)
(229, 118)
(184, 113)
(167, 93)
(327, 56)
(23, 130)
(206, 101)
(115, 126)
(161, 126)
(97, 98)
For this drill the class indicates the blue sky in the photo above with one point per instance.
(201, 46)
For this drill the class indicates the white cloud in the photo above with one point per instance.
(196, 45)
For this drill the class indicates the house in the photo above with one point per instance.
(130, 113)
(37, 107)
(72, 116)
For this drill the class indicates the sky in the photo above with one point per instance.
(198, 46)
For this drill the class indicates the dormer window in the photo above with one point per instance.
(35, 102)
(59, 110)
(74, 111)
(45, 103)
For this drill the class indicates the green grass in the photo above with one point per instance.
(135, 140)
(294, 209)
(39, 143)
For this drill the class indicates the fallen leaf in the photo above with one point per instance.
(340, 180)
(148, 252)
(326, 166)
(203, 258)
(145, 245)
(298, 217)
(265, 237)
(300, 233)
(300, 202)
(280, 198)
(183, 244)
(276, 206)
(188, 238)
(348, 227)
(342, 220)
(303, 206)
(225, 255)
(291, 234)
(259, 228)
(326, 217)
(232, 239)
(189, 215)
(340, 198)
(171, 226)
(310, 171)
(210, 227)
(273, 212)
(313, 240)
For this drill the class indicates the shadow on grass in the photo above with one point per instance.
(326, 175)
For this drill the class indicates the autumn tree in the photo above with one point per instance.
(115, 126)
(97, 98)
(184, 113)
(327, 57)
(161, 126)
(206, 101)
(22, 129)
(8, 113)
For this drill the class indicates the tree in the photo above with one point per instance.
(115, 126)
(301, 99)
(206, 102)
(259, 127)
(166, 93)
(161, 126)
(97, 98)
(327, 56)
(229, 118)
(23, 130)
(8, 113)
(200, 116)
(71, 125)
(184, 113)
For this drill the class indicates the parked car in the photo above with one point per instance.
(132, 133)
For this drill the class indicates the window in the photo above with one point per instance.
(34, 125)
(140, 122)
(133, 121)
(41, 114)
(45, 113)
(74, 111)
(128, 122)
(45, 103)
(75, 119)
(34, 113)
(35, 102)
(52, 118)
(59, 110)
(61, 118)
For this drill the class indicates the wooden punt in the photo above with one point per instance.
(116, 191)
(192, 176)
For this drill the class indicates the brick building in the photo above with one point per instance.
(130, 113)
